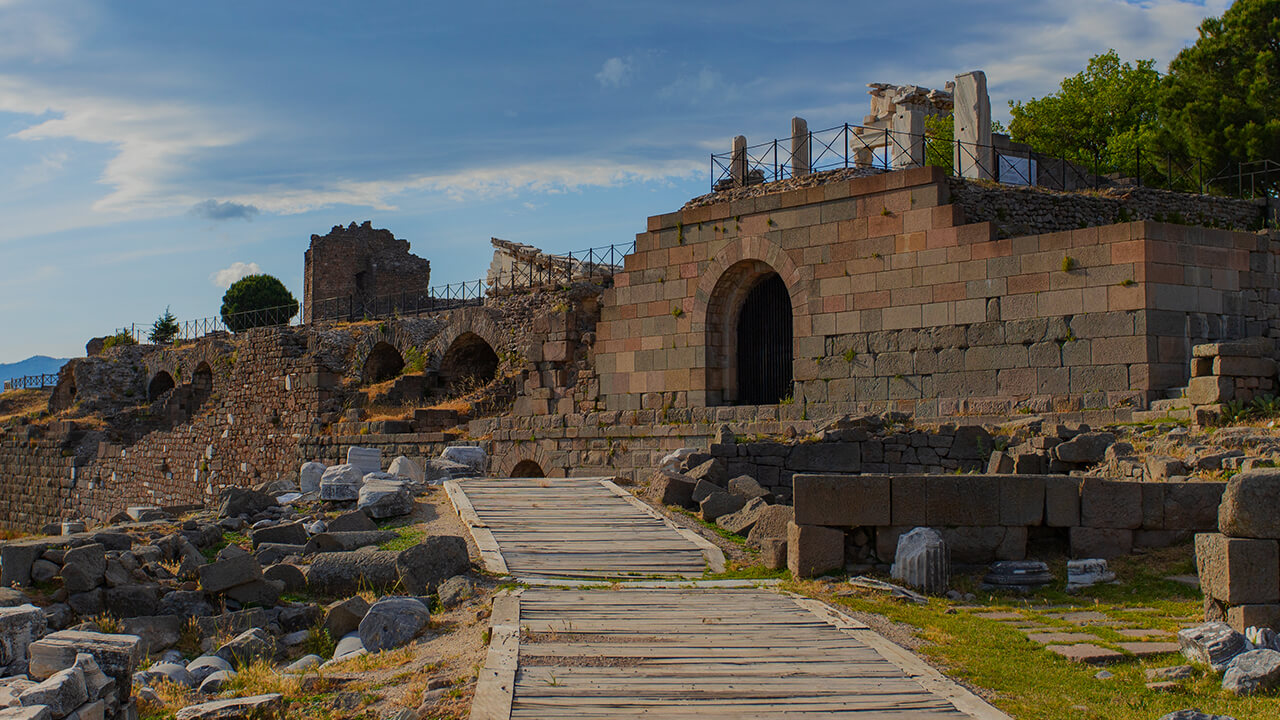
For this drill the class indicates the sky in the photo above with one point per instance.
(152, 152)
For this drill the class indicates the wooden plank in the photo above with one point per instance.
(713, 554)
(496, 684)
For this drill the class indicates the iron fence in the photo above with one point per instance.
(870, 148)
(32, 382)
(234, 322)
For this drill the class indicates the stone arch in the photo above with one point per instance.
(470, 359)
(526, 455)
(388, 333)
(527, 469)
(469, 320)
(64, 393)
(738, 274)
(161, 383)
(383, 362)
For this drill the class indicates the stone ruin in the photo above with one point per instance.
(352, 266)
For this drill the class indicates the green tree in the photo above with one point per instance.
(165, 329)
(257, 301)
(940, 131)
(1222, 99)
(1106, 112)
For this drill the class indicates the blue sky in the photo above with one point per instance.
(152, 150)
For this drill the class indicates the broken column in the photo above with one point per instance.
(800, 161)
(923, 561)
(974, 156)
(738, 162)
(908, 137)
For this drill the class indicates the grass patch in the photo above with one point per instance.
(406, 537)
(1029, 682)
(732, 537)
(15, 404)
(379, 660)
(736, 571)
(319, 642)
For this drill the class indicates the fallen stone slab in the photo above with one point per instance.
(216, 682)
(157, 632)
(272, 553)
(257, 707)
(354, 521)
(1252, 672)
(242, 501)
(232, 623)
(206, 665)
(747, 488)
(19, 627)
(666, 490)
(116, 655)
(1173, 672)
(309, 476)
(304, 663)
(35, 712)
(62, 692)
(257, 592)
(455, 591)
(368, 460)
(1248, 505)
(341, 574)
(341, 483)
(771, 524)
(743, 520)
(290, 577)
(1214, 644)
(225, 574)
(393, 622)
(343, 617)
(83, 568)
(381, 499)
(438, 470)
(173, 672)
(424, 566)
(293, 533)
(469, 455)
(407, 468)
(248, 646)
(1086, 653)
(718, 504)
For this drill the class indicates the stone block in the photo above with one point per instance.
(771, 524)
(1085, 449)
(1091, 542)
(773, 553)
(1061, 501)
(341, 483)
(841, 500)
(742, 521)
(225, 574)
(1153, 505)
(1243, 617)
(718, 504)
(671, 490)
(367, 460)
(116, 655)
(1021, 500)
(909, 500)
(1249, 503)
(962, 500)
(1192, 505)
(813, 550)
(263, 707)
(976, 544)
(826, 457)
(19, 627)
(1108, 504)
(1238, 570)
(16, 559)
(309, 476)
(1210, 390)
(285, 533)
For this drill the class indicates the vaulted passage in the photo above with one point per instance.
(469, 362)
(384, 363)
(160, 384)
(527, 469)
(201, 386)
(764, 344)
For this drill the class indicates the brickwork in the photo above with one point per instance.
(898, 304)
(360, 262)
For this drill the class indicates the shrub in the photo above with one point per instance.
(165, 328)
(248, 299)
(120, 339)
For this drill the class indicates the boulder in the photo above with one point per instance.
(284, 534)
(206, 665)
(469, 455)
(1252, 672)
(771, 523)
(257, 592)
(666, 490)
(718, 504)
(346, 541)
(248, 646)
(83, 568)
(116, 655)
(382, 499)
(429, 563)
(455, 591)
(393, 622)
(299, 617)
(19, 627)
(185, 604)
(226, 574)
(42, 571)
(1214, 644)
(340, 574)
(290, 577)
(242, 501)
(923, 561)
(303, 664)
(157, 632)
(1087, 448)
(62, 692)
(257, 707)
(743, 520)
(1248, 505)
(173, 672)
(309, 476)
(404, 467)
(129, 601)
(354, 521)
(341, 483)
(343, 617)
(216, 681)
(439, 470)
(712, 471)
(746, 487)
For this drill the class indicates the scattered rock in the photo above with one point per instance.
(342, 574)
(157, 632)
(354, 521)
(747, 488)
(226, 574)
(216, 681)
(341, 483)
(393, 622)
(1253, 671)
(290, 577)
(1086, 572)
(743, 520)
(1214, 644)
(666, 490)
(469, 455)
(429, 563)
(206, 665)
(62, 692)
(381, 499)
(248, 646)
(284, 534)
(406, 468)
(1086, 448)
(455, 591)
(718, 504)
(258, 707)
(309, 476)
(343, 617)
(1248, 505)
(771, 524)
(241, 501)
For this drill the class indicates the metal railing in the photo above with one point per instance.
(858, 146)
(530, 271)
(32, 382)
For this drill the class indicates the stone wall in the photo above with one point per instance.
(359, 262)
(1017, 211)
(899, 304)
(992, 517)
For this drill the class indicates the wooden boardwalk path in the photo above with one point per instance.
(576, 528)
(669, 650)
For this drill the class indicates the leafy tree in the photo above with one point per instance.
(165, 329)
(257, 301)
(1221, 98)
(1105, 112)
(941, 133)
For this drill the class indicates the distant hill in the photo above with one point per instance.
(34, 365)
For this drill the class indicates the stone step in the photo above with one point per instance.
(1175, 393)
(1170, 404)
(1155, 416)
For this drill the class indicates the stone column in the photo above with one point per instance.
(974, 157)
(738, 162)
(800, 147)
(907, 150)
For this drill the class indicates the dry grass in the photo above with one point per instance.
(389, 412)
(379, 660)
(107, 624)
(260, 678)
(16, 404)
(455, 404)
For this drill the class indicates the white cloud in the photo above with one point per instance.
(704, 85)
(237, 270)
(39, 30)
(616, 72)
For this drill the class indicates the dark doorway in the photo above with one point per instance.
(764, 344)
(384, 363)
(160, 384)
(201, 386)
(468, 363)
(527, 469)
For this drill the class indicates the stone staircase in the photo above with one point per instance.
(1174, 406)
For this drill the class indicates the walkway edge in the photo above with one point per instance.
(929, 677)
(489, 551)
(714, 555)
(496, 684)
